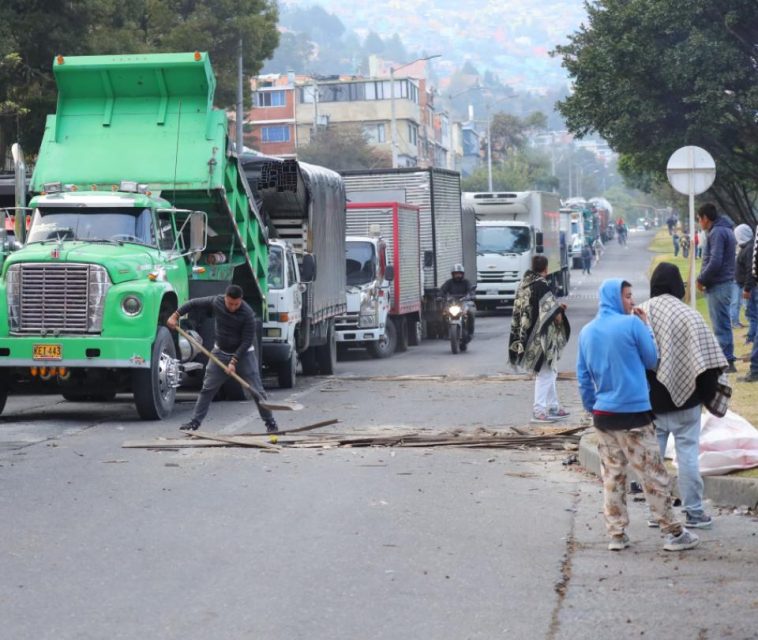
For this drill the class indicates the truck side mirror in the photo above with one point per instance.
(428, 259)
(19, 171)
(308, 268)
(389, 273)
(198, 231)
(539, 242)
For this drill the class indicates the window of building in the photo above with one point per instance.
(278, 133)
(412, 133)
(376, 133)
(270, 99)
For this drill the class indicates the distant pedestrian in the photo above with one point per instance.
(671, 223)
(685, 243)
(539, 333)
(746, 283)
(615, 348)
(717, 275)
(752, 374)
(586, 259)
(702, 241)
(599, 248)
(690, 361)
(675, 240)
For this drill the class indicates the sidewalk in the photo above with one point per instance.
(723, 491)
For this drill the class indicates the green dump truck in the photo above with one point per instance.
(138, 204)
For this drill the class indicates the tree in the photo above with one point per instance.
(343, 148)
(32, 32)
(294, 53)
(653, 75)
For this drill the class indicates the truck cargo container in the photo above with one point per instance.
(383, 269)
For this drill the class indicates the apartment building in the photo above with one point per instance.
(271, 125)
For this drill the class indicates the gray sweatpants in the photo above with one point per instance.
(215, 377)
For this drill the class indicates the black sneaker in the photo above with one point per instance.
(272, 427)
(749, 377)
(731, 368)
(192, 425)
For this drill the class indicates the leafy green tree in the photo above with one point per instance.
(653, 75)
(32, 32)
(294, 53)
(521, 170)
(343, 148)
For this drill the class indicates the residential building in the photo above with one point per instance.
(271, 124)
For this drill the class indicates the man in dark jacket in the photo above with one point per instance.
(457, 286)
(744, 278)
(689, 364)
(717, 276)
(752, 375)
(235, 336)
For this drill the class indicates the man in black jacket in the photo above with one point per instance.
(235, 336)
(690, 362)
(459, 287)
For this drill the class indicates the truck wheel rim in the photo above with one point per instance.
(167, 371)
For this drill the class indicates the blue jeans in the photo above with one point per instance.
(719, 298)
(754, 359)
(737, 303)
(684, 425)
(751, 313)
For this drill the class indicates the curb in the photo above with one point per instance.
(723, 491)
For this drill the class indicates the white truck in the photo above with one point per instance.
(511, 228)
(304, 208)
(446, 235)
(575, 236)
(383, 271)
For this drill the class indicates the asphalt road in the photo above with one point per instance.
(105, 542)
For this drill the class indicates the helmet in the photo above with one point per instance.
(457, 268)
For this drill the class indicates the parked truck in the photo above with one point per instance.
(304, 207)
(383, 269)
(511, 228)
(138, 205)
(446, 236)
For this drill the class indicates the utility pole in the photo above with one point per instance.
(239, 144)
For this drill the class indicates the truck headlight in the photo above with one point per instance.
(368, 313)
(131, 305)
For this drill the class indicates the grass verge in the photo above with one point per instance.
(745, 394)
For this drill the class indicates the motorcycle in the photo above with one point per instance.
(456, 313)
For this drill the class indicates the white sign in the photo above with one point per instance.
(691, 170)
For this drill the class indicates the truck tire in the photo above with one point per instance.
(308, 360)
(326, 354)
(385, 347)
(3, 392)
(286, 372)
(415, 332)
(401, 328)
(153, 396)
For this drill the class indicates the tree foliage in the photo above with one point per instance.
(653, 75)
(32, 32)
(343, 148)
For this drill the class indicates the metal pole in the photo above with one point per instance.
(489, 149)
(393, 119)
(239, 143)
(315, 110)
(693, 290)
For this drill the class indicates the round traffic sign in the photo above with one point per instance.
(691, 170)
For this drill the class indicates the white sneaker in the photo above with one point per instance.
(685, 540)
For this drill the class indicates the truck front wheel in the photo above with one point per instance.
(3, 392)
(287, 371)
(401, 328)
(385, 346)
(326, 354)
(154, 396)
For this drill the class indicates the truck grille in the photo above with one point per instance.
(53, 299)
(347, 322)
(497, 276)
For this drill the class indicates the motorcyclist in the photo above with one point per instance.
(457, 286)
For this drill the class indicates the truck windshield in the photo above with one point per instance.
(360, 262)
(90, 224)
(275, 267)
(502, 239)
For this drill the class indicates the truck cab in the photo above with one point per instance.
(285, 312)
(504, 250)
(368, 288)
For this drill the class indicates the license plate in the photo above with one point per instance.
(47, 352)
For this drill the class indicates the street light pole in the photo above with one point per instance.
(393, 118)
(489, 150)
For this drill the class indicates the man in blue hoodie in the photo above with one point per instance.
(717, 276)
(615, 349)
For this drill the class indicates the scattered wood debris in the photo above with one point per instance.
(517, 438)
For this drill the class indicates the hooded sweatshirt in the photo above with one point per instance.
(718, 257)
(614, 350)
(743, 274)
